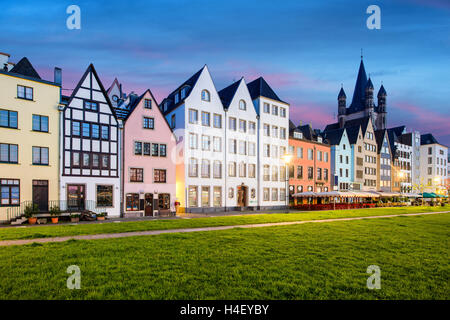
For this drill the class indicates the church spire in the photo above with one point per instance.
(360, 86)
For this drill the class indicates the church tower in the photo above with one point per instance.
(342, 104)
(381, 119)
(368, 99)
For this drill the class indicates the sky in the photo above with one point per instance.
(304, 49)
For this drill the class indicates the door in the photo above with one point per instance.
(148, 209)
(40, 194)
(241, 196)
(76, 196)
(164, 204)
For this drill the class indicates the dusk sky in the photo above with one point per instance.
(304, 49)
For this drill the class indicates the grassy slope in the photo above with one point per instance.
(312, 261)
(69, 230)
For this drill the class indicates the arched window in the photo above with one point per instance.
(206, 96)
(242, 105)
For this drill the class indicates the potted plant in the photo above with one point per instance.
(75, 217)
(101, 216)
(54, 212)
(29, 211)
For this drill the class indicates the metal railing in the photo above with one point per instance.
(64, 205)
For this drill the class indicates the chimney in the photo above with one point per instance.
(301, 122)
(58, 76)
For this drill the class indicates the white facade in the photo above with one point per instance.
(272, 145)
(90, 149)
(200, 131)
(433, 166)
(404, 165)
(241, 149)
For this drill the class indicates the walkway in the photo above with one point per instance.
(156, 232)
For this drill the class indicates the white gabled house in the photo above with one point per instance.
(195, 113)
(273, 135)
(90, 149)
(241, 156)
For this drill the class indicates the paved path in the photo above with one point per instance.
(156, 232)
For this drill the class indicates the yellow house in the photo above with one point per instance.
(29, 139)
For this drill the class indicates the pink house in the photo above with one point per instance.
(148, 165)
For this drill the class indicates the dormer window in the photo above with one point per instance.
(242, 105)
(165, 106)
(147, 103)
(319, 139)
(298, 135)
(177, 98)
(183, 92)
(206, 96)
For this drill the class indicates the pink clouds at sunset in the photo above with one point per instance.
(307, 112)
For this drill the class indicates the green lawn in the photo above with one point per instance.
(309, 261)
(83, 229)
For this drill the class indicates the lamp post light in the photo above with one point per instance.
(287, 159)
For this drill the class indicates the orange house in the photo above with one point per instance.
(310, 166)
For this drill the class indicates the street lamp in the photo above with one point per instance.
(437, 181)
(287, 159)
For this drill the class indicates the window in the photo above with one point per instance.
(205, 196)
(326, 157)
(105, 132)
(319, 155)
(193, 116)
(193, 140)
(217, 121)
(206, 119)
(149, 123)
(104, 196)
(90, 105)
(162, 150)
(251, 127)
(105, 161)
(300, 152)
(136, 175)
(206, 143)
(251, 170)
(173, 121)
(232, 169)
(242, 126)
(86, 160)
(217, 197)
(233, 146)
(274, 152)
(251, 149)
(75, 159)
(242, 170)
(298, 135)
(217, 169)
(206, 96)
(283, 112)
(274, 194)
(95, 131)
(193, 196)
(274, 110)
(283, 173)
(193, 167)
(274, 173)
(299, 172)
(266, 194)
(266, 108)
(266, 130)
(282, 194)
(206, 168)
(183, 92)
(282, 133)
(132, 201)
(243, 147)
(310, 154)
(217, 142)
(9, 153)
(25, 93)
(177, 98)
(291, 172)
(8, 119)
(95, 161)
(159, 175)
(325, 174)
(310, 173)
(137, 148)
(147, 148)
(86, 130)
(232, 124)
(9, 192)
(147, 103)
(76, 128)
(242, 105)
(266, 172)
(266, 150)
(274, 131)
(155, 149)
(231, 193)
(291, 150)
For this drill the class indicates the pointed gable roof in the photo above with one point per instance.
(189, 83)
(91, 69)
(25, 68)
(342, 94)
(379, 138)
(260, 88)
(382, 92)
(359, 92)
(334, 137)
(115, 83)
(227, 94)
(352, 133)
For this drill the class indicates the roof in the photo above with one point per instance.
(260, 88)
(359, 92)
(189, 83)
(382, 91)
(226, 94)
(369, 84)
(379, 138)
(392, 136)
(398, 130)
(124, 110)
(428, 138)
(25, 68)
(334, 136)
(360, 122)
(308, 133)
(352, 133)
(342, 94)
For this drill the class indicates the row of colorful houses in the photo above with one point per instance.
(199, 150)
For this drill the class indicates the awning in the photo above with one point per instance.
(428, 195)
(389, 194)
(411, 195)
(305, 194)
